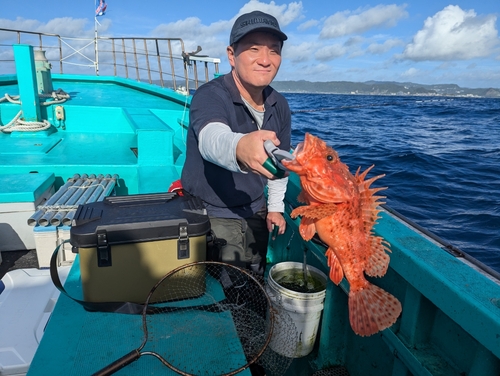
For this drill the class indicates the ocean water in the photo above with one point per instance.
(441, 158)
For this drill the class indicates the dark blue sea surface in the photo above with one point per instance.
(441, 158)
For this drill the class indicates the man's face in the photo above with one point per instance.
(256, 59)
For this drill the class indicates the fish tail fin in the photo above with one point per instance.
(372, 309)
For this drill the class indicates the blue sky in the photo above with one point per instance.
(421, 41)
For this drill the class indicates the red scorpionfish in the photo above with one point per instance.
(342, 209)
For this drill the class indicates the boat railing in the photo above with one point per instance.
(161, 61)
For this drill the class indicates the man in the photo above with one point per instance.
(230, 118)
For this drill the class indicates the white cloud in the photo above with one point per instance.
(330, 52)
(353, 41)
(63, 26)
(19, 24)
(190, 27)
(73, 27)
(76, 39)
(285, 14)
(362, 20)
(299, 52)
(410, 73)
(381, 48)
(214, 38)
(312, 72)
(354, 47)
(307, 25)
(454, 34)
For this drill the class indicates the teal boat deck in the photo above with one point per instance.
(79, 342)
(112, 126)
(450, 324)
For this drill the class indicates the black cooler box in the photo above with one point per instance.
(126, 244)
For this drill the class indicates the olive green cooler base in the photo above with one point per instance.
(136, 268)
(127, 244)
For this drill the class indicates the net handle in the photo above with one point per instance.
(118, 364)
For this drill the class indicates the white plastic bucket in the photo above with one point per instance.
(304, 309)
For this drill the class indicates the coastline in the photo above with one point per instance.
(384, 89)
(448, 96)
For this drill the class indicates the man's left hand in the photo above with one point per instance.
(276, 219)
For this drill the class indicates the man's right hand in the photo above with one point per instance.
(251, 154)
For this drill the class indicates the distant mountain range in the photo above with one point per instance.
(383, 88)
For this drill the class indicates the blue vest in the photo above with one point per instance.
(237, 195)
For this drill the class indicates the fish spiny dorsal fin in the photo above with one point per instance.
(362, 176)
(369, 201)
(364, 185)
(369, 217)
(372, 179)
(378, 261)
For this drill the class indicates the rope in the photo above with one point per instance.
(18, 125)
(12, 99)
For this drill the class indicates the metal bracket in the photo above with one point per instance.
(103, 249)
(187, 55)
(183, 242)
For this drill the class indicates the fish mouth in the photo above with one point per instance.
(293, 164)
(301, 155)
(298, 149)
(306, 147)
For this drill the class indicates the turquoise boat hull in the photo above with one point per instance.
(451, 314)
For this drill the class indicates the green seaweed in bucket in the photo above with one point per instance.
(294, 280)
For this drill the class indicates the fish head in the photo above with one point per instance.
(324, 178)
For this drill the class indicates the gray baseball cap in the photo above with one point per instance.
(255, 21)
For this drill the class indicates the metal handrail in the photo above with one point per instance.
(163, 61)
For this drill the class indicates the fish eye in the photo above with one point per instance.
(329, 157)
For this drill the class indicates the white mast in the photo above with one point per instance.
(96, 51)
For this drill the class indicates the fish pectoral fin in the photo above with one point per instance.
(336, 271)
(307, 229)
(315, 211)
(300, 211)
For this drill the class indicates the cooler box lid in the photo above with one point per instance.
(138, 218)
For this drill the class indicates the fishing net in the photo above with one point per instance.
(333, 371)
(210, 318)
